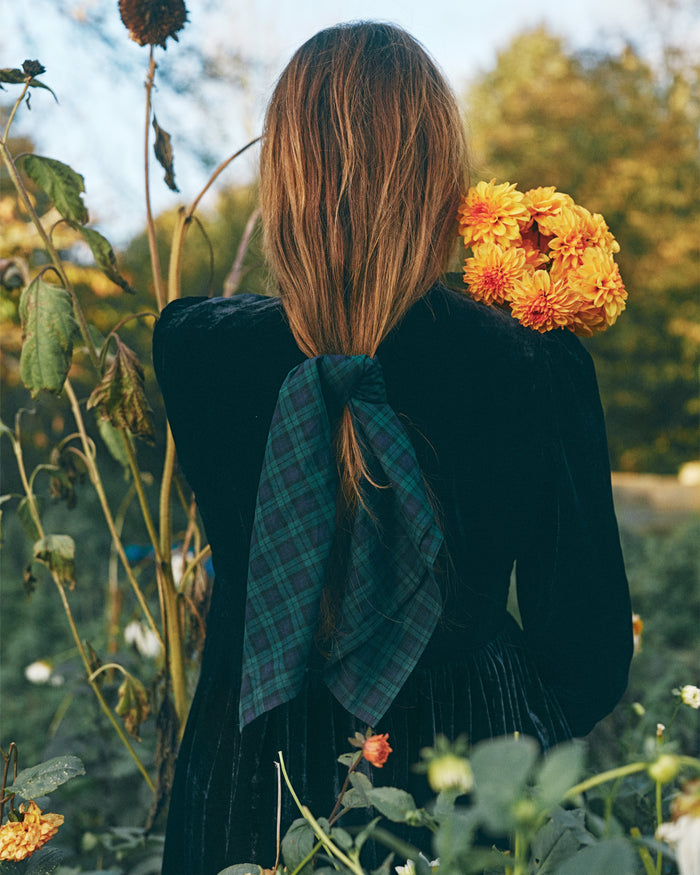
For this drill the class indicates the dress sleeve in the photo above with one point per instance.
(572, 589)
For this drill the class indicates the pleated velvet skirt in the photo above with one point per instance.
(223, 808)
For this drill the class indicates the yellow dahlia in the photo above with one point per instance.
(542, 303)
(573, 231)
(598, 285)
(19, 839)
(545, 202)
(492, 213)
(493, 271)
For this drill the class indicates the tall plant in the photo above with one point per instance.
(55, 328)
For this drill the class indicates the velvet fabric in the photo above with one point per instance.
(508, 429)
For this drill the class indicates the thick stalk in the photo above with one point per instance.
(166, 585)
(604, 777)
(96, 481)
(181, 224)
(150, 225)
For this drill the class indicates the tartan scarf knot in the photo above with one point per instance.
(391, 602)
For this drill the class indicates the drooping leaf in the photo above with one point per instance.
(133, 706)
(61, 183)
(15, 76)
(45, 861)
(57, 552)
(242, 869)
(164, 153)
(43, 778)
(120, 394)
(26, 518)
(104, 256)
(48, 327)
(563, 836)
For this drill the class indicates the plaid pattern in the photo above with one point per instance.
(392, 601)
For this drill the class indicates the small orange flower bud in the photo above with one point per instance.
(376, 749)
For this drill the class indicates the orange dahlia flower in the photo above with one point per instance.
(573, 231)
(597, 282)
(376, 749)
(492, 213)
(19, 839)
(545, 202)
(493, 271)
(542, 303)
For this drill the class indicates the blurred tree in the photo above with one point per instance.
(621, 137)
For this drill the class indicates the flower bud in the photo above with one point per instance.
(450, 772)
(376, 749)
(664, 769)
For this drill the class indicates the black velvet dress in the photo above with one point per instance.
(509, 432)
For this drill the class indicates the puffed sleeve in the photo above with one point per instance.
(572, 589)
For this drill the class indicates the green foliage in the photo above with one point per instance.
(42, 779)
(621, 137)
(49, 326)
(61, 183)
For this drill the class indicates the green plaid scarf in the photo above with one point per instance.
(391, 601)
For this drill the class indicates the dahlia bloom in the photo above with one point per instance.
(376, 749)
(493, 271)
(547, 258)
(19, 839)
(492, 213)
(542, 303)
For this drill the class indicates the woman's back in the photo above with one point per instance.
(508, 431)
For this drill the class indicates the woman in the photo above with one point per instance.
(370, 584)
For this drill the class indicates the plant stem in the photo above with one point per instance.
(150, 225)
(659, 818)
(215, 174)
(603, 777)
(99, 489)
(138, 486)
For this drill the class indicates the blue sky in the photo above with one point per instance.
(96, 127)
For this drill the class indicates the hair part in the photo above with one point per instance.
(363, 165)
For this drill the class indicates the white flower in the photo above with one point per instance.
(179, 564)
(38, 672)
(690, 695)
(143, 638)
(684, 836)
(410, 867)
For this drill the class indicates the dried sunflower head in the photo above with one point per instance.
(151, 22)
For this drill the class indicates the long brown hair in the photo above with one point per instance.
(363, 164)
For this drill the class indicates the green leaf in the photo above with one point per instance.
(114, 442)
(562, 837)
(48, 327)
(57, 552)
(164, 154)
(120, 394)
(501, 768)
(61, 183)
(45, 861)
(397, 805)
(42, 779)
(24, 512)
(612, 855)
(560, 771)
(242, 869)
(297, 844)
(104, 256)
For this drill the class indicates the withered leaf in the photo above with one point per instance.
(164, 153)
(133, 706)
(104, 256)
(57, 552)
(120, 394)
